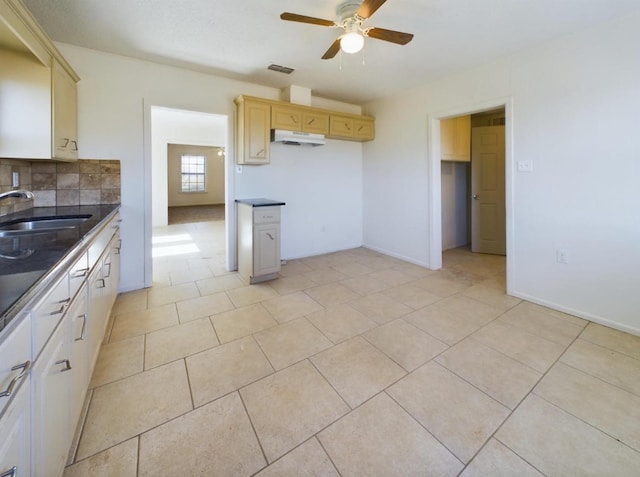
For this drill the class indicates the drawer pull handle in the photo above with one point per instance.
(80, 273)
(67, 364)
(84, 324)
(75, 145)
(270, 236)
(108, 273)
(102, 283)
(63, 307)
(293, 118)
(311, 122)
(116, 250)
(25, 367)
(13, 472)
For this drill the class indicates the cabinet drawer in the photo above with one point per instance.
(15, 359)
(78, 274)
(48, 312)
(266, 215)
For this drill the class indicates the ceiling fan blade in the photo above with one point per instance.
(333, 50)
(390, 35)
(294, 17)
(369, 7)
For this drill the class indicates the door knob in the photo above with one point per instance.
(475, 197)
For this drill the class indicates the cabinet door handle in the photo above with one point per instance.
(25, 367)
(102, 283)
(260, 152)
(75, 145)
(84, 324)
(63, 307)
(66, 143)
(80, 273)
(311, 122)
(67, 364)
(116, 250)
(108, 273)
(270, 236)
(293, 118)
(13, 472)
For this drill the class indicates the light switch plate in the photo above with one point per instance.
(525, 166)
(15, 179)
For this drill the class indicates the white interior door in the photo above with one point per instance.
(488, 218)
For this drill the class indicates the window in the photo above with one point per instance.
(193, 173)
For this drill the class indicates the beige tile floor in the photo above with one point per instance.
(353, 364)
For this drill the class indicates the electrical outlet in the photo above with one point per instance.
(238, 169)
(562, 256)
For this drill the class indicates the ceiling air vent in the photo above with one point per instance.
(281, 69)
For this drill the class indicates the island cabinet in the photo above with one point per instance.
(38, 94)
(455, 139)
(254, 131)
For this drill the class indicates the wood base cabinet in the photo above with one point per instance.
(258, 243)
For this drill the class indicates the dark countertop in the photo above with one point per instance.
(260, 202)
(25, 260)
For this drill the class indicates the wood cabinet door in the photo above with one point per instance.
(257, 140)
(455, 139)
(315, 122)
(289, 119)
(266, 249)
(341, 126)
(363, 129)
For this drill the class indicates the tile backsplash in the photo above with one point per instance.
(85, 182)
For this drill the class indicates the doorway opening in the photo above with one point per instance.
(188, 196)
(463, 191)
(473, 182)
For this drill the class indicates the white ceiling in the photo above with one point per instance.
(240, 38)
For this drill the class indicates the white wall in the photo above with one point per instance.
(575, 104)
(175, 126)
(322, 186)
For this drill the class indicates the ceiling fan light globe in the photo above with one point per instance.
(351, 42)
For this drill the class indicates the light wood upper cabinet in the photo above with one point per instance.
(254, 131)
(257, 117)
(315, 122)
(363, 129)
(341, 126)
(455, 139)
(38, 97)
(283, 117)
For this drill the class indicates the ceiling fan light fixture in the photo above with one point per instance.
(351, 42)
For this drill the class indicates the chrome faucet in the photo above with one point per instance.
(20, 193)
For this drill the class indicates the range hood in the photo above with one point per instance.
(297, 138)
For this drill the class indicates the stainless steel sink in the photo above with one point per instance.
(41, 225)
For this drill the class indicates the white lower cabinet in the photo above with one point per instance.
(52, 377)
(266, 249)
(61, 332)
(15, 429)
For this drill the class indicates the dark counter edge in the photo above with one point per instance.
(51, 276)
(260, 202)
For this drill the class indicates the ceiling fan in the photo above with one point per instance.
(351, 17)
